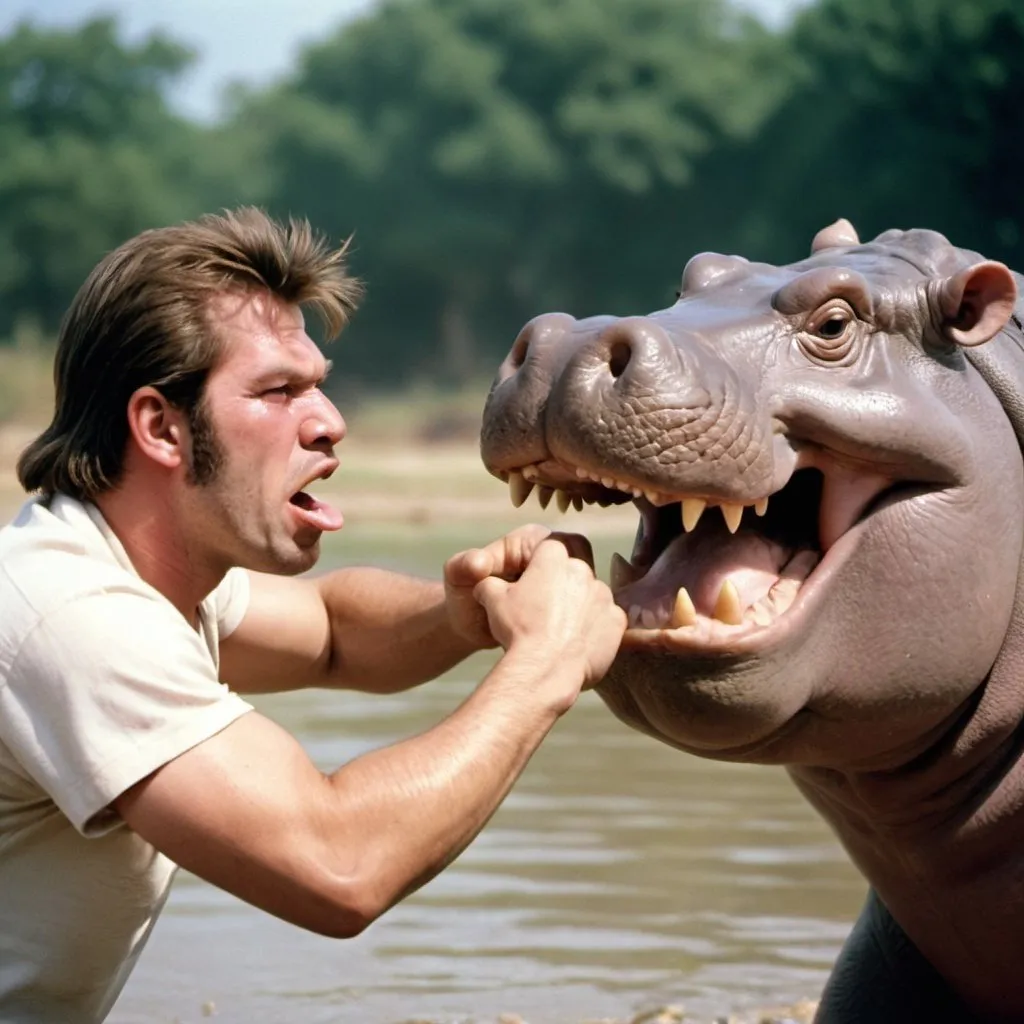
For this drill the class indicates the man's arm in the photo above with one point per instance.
(249, 812)
(370, 629)
(359, 628)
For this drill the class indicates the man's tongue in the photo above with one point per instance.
(316, 513)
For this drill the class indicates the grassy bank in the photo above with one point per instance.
(410, 461)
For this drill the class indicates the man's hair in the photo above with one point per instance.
(142, 317)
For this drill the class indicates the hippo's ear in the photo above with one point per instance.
(840, 232)
(976, 302)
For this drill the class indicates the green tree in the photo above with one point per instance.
(494, 159)
(90, 153)
(903, 115)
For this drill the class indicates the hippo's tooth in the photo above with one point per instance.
(649, 618)
(761, 506)
(728, 608)
(577, 502)
(621, 572)
(544, 496)
(652, 496)
(519, 487)
(530, 472)
(635, 615)
(683, 612)
(732, 514)
(693, 509)
(582, 473)
(762, 616)
(562, 500)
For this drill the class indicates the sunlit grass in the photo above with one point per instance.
(26, 379)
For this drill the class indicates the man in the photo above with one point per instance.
(150, 580)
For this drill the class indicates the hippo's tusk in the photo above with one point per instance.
(693, 508)
(733, 515)
(683, 611)
(519, 488)
(728, 608)
(621, 572)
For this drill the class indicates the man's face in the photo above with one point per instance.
(266, 433)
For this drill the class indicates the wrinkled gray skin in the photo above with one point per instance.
(874, 644)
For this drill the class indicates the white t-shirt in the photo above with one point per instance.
(102, 681)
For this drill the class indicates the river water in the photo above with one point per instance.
(618, 877)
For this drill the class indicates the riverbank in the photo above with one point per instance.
(405, 483)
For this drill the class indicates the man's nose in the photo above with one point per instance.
(324, 427)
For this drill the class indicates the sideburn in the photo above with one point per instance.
(207, 450)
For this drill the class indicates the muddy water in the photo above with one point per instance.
(619, 876)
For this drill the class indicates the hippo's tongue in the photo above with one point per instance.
(751, 561)
(760, 571)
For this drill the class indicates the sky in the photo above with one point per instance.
(253, 41)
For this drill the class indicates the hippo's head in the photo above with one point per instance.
(829, 492)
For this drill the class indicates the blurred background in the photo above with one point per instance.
(499, 158)
(495, 159)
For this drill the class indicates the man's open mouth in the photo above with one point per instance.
(710, 571)
(313, 511)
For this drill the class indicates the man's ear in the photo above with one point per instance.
(976, 302)
(157, 427)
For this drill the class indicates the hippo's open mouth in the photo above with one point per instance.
(705, 572)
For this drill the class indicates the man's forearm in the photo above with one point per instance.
(388, 631)
(418, 804)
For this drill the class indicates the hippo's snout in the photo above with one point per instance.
(634, 354)
(627, 398)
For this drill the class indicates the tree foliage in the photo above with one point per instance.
(904, 115)
(90, 154)
(488, 154)
(495, 160)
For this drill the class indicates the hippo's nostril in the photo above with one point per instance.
(619, 357)
(519, 351)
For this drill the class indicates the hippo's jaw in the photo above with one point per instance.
(726, 578)
(732, 582)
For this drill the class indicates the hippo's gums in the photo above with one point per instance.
(826, 461)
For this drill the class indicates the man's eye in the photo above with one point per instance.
(284, 389)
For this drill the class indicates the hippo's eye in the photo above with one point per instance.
(830, 333)
(832, 328)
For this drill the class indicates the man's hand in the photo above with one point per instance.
(505, 559)
(558, 617)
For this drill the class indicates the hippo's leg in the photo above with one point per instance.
(881, 977)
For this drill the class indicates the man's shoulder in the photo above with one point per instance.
(48, 560)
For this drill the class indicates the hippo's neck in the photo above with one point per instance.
(936, 808)
(946, 860)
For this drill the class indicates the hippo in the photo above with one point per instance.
(826, 461)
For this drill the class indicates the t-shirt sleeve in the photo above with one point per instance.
(105, 690)
(231, 601)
